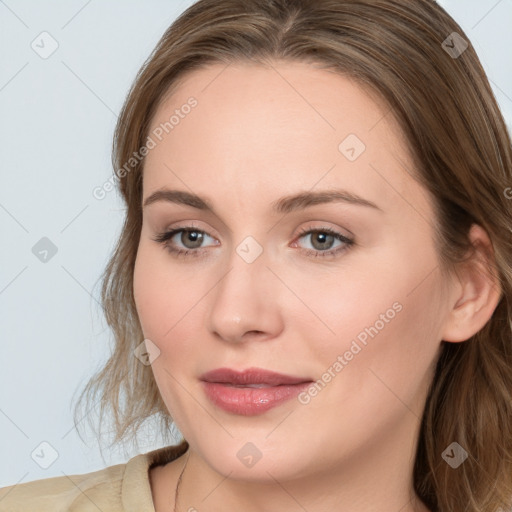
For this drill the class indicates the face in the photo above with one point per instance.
(342, 294)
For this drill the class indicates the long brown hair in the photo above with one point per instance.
(433, 82)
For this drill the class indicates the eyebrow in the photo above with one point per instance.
(285, 204)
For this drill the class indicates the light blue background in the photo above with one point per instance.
(56, 124)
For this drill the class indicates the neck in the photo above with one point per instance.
(379, 479)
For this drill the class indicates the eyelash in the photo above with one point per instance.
(163, 238)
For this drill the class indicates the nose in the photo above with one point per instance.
(245, 303)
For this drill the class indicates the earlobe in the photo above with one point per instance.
(480, 290)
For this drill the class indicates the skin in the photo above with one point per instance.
(259, 133)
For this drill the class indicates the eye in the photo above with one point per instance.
(190, 237)
(322, 240)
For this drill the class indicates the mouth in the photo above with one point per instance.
(252, 391)
(252, 377)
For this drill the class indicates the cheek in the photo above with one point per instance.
(377, 332)
(162, 294)
(148, 294)
(169, 307)
(165, 309)
(336, 309)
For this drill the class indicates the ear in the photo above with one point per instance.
(479, 292)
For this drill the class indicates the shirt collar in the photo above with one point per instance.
(136, 493)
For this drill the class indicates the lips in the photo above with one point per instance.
(252, 391)
(252, 377)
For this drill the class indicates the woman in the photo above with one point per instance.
(314, 274)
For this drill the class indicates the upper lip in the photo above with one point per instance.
(251, 376)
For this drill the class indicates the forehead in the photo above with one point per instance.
(263, 130)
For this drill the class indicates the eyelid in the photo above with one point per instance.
(191, 226)
(325, 227)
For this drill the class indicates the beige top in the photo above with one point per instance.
(119, 488)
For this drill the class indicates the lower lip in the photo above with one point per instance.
(251, 401)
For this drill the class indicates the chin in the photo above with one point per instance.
(252, 457)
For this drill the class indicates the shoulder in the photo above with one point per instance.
(119, 488)
(99, 489)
